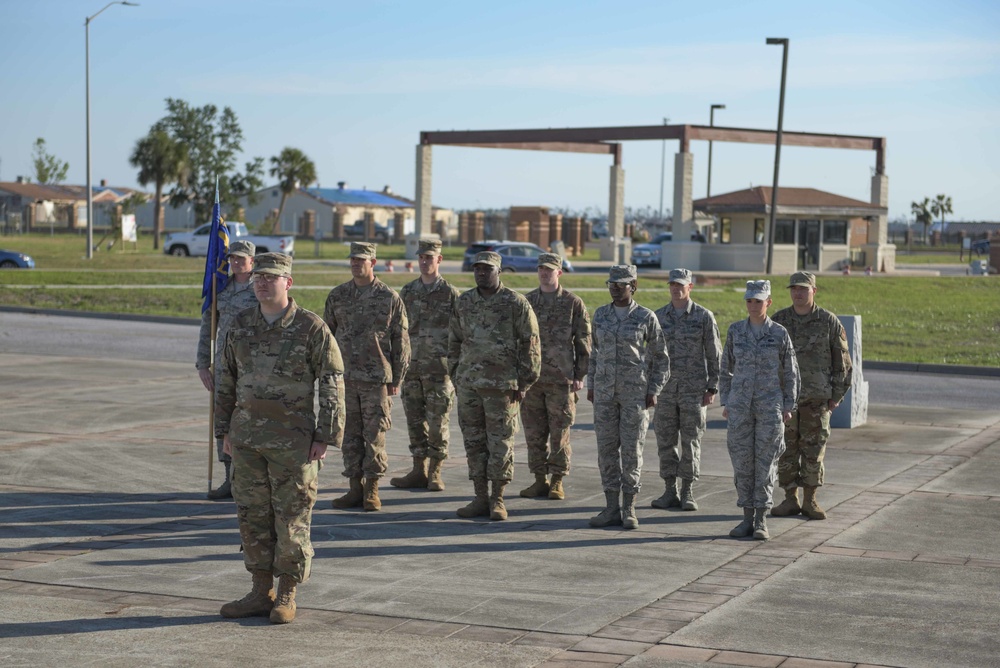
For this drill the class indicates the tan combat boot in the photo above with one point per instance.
(480, 506)
(372, 502)
(257, 603)
(538, 488)
(556, 488)
(744, 528)
(284, 604)
(612, 513)
(415, 478)
(810, 508)
(434, 482)
(788, 507)
(760, 524)
(629, 519)
(354, 497)
(687, 495)
(498, 511)
(669, 498)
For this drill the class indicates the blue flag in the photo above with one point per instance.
(217, 261)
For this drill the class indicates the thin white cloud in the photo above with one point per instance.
(829, 63)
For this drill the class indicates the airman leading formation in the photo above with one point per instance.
(290, 384)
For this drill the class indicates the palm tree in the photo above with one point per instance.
(922, 212)
(161, 161)
(940, 206)
(295, 170)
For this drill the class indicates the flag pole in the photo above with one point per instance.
(211, 395)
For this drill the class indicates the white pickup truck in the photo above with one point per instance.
(196, 241)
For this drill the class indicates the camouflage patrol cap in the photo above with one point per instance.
(487, 257)
(244, 248)
(680, 276)
(428, 247)
(758, 290)
(622, 273)
(803, 278)
(362, 249)
(278, 264)
(550, 260)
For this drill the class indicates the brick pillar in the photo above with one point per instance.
(423, 214)
(463, 229)
(555, 228)
(307, 224)
(398, 221)
(476, 231)
(369, 218)
(338, 224)
(573, 235)
(683, 214)
(441, 229)
(520, 231)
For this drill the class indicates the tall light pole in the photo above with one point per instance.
(663, 168)
(90, 192)
(783, 41)
(711, 124)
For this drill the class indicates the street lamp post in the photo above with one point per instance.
(663, 168)
(90, 192)
(711, 123)
(783, 41)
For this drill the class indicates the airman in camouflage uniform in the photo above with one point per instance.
(758, 385)
(549, 407)
(274, 356)
(694, 346)
(369, 321)
(494, 356)
(825, 368)
(427, 391)
(629, 366)
(236, 296)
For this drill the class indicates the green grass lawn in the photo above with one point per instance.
(945, 320)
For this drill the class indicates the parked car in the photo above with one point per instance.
(356, 230)
(648, 254)
(981, 247)
(514, 255)
(15, 260)
(196, 242)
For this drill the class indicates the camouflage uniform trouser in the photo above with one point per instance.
(805, 442)
(368, 417)
(488, 419)
(755, 439)
(685, 419)
(275, 490)
(427, 404)
(547, 412)
(620, 428)
(223, 457)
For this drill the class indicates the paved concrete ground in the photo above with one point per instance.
(109, 554)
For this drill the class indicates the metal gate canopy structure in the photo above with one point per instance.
(606, 141)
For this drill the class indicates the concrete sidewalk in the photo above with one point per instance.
(108, 547)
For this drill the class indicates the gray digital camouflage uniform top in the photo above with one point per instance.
(759, 379)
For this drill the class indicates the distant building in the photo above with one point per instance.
(26, 206)
(814, 230)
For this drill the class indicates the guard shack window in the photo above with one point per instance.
(725, 230)
(835, 232)
(758, 230)
(784, 231)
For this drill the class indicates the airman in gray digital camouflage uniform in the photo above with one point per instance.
(274, 356)
(494, 356)
(428, 392)
(693, 342)
(235, 297)
(629, 365)
(758, 386)
(549, 407)
(369, 321)
(825, 369)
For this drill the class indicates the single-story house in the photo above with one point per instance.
(27, 206)
(814, 230)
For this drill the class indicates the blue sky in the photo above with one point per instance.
(353, 84)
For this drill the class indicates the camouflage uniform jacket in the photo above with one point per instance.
(266, 392)
(629, 357)
(493, 342)
(758, 370)
(564, 328)
(821, 350)
(695, 350)
(229, 302)
(371, 329)
(429, 311)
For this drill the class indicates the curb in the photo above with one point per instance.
(906, 367)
